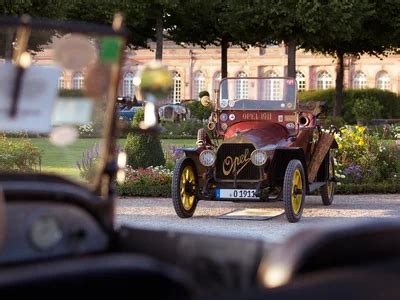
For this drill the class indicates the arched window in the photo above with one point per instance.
(301, 81)
(360, 80)
(199, 83)
(242, 86)
(324, 81)
(383, 81)
(273, 87)
(216, 80)
(77, 81)
(175, 95)
(128, 89)
(61, 82)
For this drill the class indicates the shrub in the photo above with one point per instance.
(365, 109)
(70, 93)
(150, 182)
(86, 130)
(88, 163)
(143, 150)
(363, 158)
(389, 101)
(338, 122)
(19, 154)
(186, 128)
(204, 93)
(199, 111)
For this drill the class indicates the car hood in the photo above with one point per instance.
(260, 134)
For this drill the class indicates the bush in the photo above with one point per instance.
(199, 111)
(143, 150)
(88, 163)
(186, 128)
(365, 109)
(70, 93)
(364, 159)
(149, 182)
(204, 93)
(389, 101)
(19, 154)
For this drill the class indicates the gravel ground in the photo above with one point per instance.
(158, 213)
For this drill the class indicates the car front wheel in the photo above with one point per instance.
(294, 191)
(184, 188)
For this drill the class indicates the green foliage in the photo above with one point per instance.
(19, 155)
(87, 165)
(367, 188)
(366, 109)
(152, 181)
(186, 128)
(143, 150)
(199, 111)
(389, 101)
(364, 159)
(204, 93)
(70, 93)
(338, 122)
(140, 16)
(35, 8)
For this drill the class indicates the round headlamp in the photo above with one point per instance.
(258, 157)
(207, 158)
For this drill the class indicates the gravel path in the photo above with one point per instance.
(158, 213)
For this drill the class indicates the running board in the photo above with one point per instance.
(316, 185)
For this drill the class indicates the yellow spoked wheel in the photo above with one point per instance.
(184, 188)
(329, 189)
(294, 191)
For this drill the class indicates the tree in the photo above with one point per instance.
(291, 21)
(220, 23)
(36, 9)
(347, 28)
(145, 20)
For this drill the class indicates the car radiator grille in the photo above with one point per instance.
(235, 158)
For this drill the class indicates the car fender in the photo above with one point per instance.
(281, 158)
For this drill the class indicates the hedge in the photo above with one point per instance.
(388, 100)
(140, 190)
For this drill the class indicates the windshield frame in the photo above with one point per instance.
(105, 171)
(293, 104)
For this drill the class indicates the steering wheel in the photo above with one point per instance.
(318, 249)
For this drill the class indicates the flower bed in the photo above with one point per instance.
(364, 159)
(148, 182)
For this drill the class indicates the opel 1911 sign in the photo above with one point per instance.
(261, 145)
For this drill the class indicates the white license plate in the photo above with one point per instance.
(236, 194)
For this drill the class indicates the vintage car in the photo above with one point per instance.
(265, 147)
(174, 112)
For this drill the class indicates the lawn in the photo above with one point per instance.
(63, 159)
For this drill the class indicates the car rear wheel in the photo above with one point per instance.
(294, 191)
(184, 188)
(329, 189)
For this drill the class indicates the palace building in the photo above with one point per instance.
(195, 69)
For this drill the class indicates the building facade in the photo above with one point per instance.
(195, 69)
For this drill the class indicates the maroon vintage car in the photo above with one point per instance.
(264, 146)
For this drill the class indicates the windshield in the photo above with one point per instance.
(258, 94)
(53, 100)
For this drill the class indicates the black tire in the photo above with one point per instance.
(292, 200)
(185, 197)
(329, 189)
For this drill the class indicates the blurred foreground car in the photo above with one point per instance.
(57, 234)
